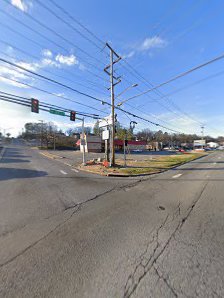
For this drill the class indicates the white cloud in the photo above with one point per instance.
(49, 62)
(68, 60)
(47, 53)
(65, 126)
(8, 82)
(29, 66)
(152, 42)
(129, 55)
(20, 4)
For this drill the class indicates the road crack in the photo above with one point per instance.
(135, 277)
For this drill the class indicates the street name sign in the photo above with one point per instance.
(56, 112)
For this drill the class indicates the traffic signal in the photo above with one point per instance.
(34, 105)
(115, 118)
(72, 115)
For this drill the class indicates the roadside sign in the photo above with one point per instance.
(56, 112)
(105, 121)
(105, 135)
(199, 142)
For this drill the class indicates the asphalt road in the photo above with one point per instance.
(70, 234)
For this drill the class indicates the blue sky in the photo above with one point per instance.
(158, 38)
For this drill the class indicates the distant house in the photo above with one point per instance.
(92, 144)
(132, 145)
(212, 145)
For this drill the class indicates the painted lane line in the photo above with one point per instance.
(177, 176)
(214, 163)
(67, 164)
(63, 172)
(75, 170)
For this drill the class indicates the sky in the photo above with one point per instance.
(157, 40)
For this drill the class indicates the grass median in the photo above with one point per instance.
(148, 165)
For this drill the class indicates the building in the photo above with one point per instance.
(92, 144)
(131, 145)
(212, 145)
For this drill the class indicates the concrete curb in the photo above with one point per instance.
(50, 155)
(143, 174)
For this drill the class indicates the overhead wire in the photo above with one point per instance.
(54, 32)
(6, 1)
(87, 95)
(45, 70)
(77, 22)
(10, 95)
(49, 40)
(67, 24)
(217, 58)
(50, 93)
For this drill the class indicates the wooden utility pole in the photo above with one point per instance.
(112, 84)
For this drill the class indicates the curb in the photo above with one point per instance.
(52, 156)
(143, 174)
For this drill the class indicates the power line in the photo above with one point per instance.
(13, 96)
(177, 77)
(77, 91)
(49, 40)
(67, 23)
(54, 32)
(49, 79)
(50, 93)
(160, 103)
(77, 22)
(45, 70)
(41, 46)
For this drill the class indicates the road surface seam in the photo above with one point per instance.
(130, 289)
(78, 208)
(39, 240)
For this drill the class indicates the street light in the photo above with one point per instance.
(128, 88)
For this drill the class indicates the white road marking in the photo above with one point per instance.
(75, 170)
(214, 163)
(63, 172)
(177, 176)
(67, 164)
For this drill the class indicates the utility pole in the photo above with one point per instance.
(202, 132)
(112, 84)
(54, 140)
(125, 138)
(42, 126)
(83, 143)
